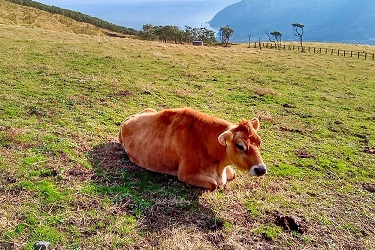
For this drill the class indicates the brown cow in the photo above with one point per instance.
(193, 146)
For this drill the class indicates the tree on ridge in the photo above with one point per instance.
(275, 37)
(225, 33)
(298, 31)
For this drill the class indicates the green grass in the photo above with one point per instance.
(269, 232)
(65, 180)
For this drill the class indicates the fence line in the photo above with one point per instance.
(316, 50)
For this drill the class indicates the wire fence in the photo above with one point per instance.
(317, 50)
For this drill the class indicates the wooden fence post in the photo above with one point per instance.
(318, 50)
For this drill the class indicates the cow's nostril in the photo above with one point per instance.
(260, 170)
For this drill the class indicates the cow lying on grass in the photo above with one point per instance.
(193, 146)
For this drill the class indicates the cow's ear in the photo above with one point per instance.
(225, 138)
(255, 122)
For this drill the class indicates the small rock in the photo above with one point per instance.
(3, 128)
(41, 245)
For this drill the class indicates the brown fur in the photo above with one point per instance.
(193, 146)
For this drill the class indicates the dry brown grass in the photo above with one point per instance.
(14, 14)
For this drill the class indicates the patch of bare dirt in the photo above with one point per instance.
(81, 173)
(265, 116)
(369, 187)
(6, 177)
(303, 153)
(290, 223)
(264, 91)
(293, 130)
(36, 111)
(369, 150)
(289, 106)
(122, 93)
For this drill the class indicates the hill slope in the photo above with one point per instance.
(324, 20)
(14, 14)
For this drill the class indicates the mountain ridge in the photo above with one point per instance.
(325, 20)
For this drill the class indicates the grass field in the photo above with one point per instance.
(65, 179)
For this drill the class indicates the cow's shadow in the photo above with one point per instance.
(160, 200)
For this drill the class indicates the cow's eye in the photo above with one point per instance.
(240, 147)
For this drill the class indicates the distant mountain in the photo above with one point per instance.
(344, 21)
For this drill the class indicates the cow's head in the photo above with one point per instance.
(243, 147)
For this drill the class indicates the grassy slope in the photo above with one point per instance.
(14, 14)
(65, 180)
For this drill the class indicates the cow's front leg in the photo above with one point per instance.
(198, 180)
(231, 174)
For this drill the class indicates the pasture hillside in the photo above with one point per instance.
(14, 14)
(64, 178)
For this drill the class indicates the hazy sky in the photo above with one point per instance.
(134, 13)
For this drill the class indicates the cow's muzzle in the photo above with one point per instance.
(258, 170)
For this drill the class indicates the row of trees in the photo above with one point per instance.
(275, 36)
(174, 34)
